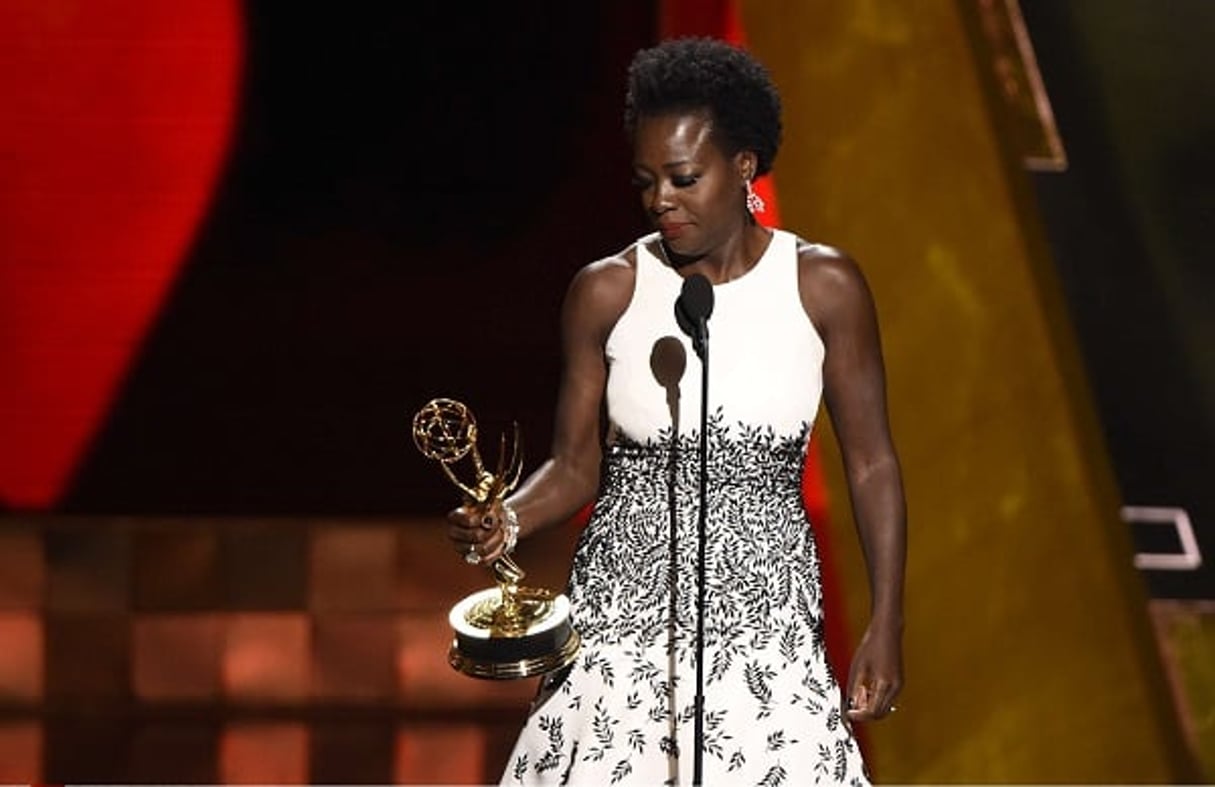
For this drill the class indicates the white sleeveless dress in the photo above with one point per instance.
(624, 712)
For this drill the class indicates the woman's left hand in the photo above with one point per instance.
(877, 673)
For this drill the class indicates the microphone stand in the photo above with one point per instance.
(702, 347)
(692, 310)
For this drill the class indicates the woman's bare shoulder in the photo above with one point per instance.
(622, 264)
(601, 291)
(607, 281)
(829, 280)
(820, 261)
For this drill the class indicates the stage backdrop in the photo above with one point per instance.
(242, 244)
(1129, 223)
(1021, 589)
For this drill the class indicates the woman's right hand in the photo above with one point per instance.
(476, 532)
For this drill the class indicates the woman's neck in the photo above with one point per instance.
(731, 260)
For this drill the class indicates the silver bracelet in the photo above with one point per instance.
(511, 528)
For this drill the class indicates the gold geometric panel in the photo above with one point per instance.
(1028, 122)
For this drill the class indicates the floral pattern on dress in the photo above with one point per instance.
(624, 711)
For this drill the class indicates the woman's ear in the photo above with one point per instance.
(747, 163)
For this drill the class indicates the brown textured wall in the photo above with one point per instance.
(1028, 654)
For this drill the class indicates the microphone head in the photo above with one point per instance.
(694, 305)
(697, 296)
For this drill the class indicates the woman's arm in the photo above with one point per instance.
(569, 478)
(839, 302)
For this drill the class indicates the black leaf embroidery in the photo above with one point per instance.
(553, 725)
(757, 677)
(775, 776)
(643, 671)
(605, 735)
(713, 743)
(520, 766)
(814, 684)
(790, 643)
(841, 760)
(607, 672)
(823, 763)
(721, 663)
(548, 762)
(603, 728)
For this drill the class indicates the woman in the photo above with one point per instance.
(793, 322)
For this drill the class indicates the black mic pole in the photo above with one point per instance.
(692, 310)
(701, 542)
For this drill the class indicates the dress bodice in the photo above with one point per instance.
(765, 356)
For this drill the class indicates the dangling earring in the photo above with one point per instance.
(755, 203)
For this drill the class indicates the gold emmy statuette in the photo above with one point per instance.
(508, 631)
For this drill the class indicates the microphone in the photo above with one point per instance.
(693, 308)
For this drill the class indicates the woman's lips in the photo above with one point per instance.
(672, 229)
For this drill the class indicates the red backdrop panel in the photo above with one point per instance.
(117, 121)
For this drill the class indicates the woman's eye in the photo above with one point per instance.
(641, 184)
(683, 181)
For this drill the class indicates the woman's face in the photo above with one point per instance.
(692, 192)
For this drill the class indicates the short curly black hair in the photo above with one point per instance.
(689, 74)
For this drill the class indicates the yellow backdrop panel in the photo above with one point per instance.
(1028, 652)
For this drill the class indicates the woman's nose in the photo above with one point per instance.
(660, 199)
